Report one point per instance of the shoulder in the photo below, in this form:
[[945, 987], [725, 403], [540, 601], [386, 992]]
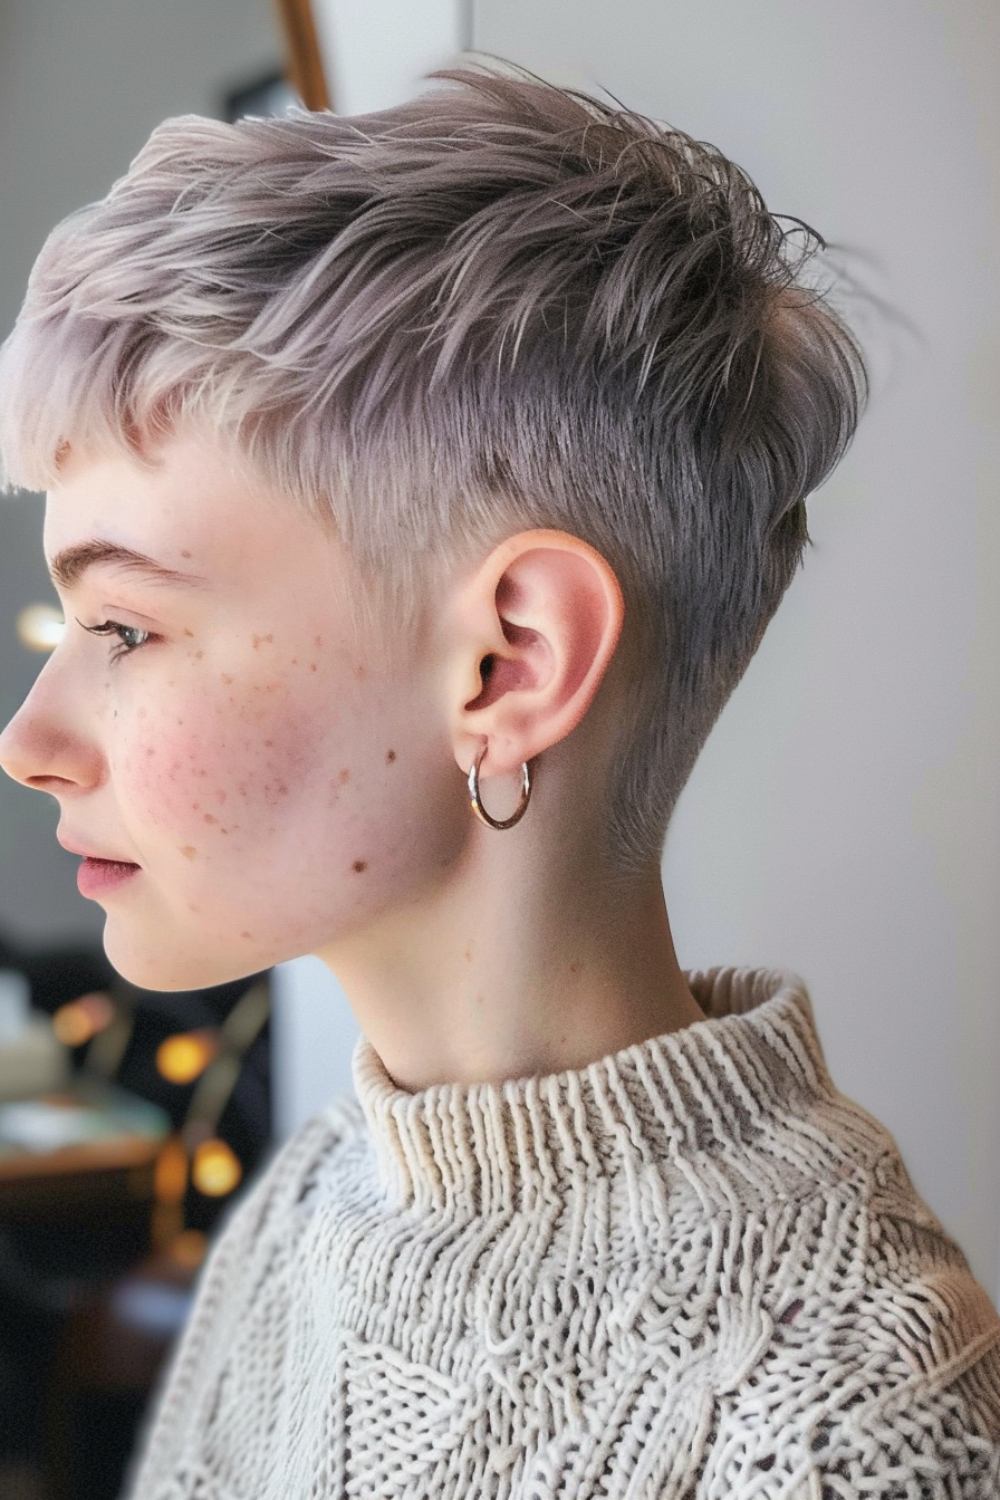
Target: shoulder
[[898, 1274], [881, 1374], [923, 1304], [901, 1349]]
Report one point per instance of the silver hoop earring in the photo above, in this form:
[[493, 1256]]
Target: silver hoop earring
[[476, 800]]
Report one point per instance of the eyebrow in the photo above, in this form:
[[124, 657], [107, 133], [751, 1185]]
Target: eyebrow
[[69, 565]]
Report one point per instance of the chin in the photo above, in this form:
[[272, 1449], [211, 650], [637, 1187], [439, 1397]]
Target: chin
[[154, 966]]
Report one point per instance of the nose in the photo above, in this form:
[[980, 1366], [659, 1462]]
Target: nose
[[45, 746]]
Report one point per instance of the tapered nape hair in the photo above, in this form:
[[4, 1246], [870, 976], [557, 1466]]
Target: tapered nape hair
[[502, 305]]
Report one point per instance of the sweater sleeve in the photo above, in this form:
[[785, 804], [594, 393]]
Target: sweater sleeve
[[244, 1264]]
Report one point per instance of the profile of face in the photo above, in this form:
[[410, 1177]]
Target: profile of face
[[213, 725]]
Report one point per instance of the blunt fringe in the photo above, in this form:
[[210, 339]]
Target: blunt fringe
[[501, 305]]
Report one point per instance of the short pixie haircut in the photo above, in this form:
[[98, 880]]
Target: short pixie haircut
[[499, 306]]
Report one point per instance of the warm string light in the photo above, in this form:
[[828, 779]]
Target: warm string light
[[215, 1170], [76, 1023], [183, 1057]]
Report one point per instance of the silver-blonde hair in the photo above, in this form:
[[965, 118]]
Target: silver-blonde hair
[[502, 305]]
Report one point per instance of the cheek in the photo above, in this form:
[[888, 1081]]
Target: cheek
[[279, 826], [207, 778]]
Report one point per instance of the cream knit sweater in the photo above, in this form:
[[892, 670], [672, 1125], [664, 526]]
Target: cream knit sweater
[[690, 1271]]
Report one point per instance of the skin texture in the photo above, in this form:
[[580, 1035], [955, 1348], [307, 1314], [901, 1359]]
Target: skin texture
[[287, 788]]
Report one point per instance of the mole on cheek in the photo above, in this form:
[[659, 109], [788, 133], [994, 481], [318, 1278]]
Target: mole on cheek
[[390, 756], [359, 866]]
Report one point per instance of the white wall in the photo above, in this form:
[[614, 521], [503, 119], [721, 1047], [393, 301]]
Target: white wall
[[376, 52], [844, 819]]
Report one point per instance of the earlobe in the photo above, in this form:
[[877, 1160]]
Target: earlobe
[[538, 624]]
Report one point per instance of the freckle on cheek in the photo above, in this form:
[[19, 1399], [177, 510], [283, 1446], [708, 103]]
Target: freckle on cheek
[[198, 655], [345, 776], [189, 851], [209, 819]]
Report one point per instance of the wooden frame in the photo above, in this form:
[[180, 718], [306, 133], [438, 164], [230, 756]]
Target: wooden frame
[[305, 62]]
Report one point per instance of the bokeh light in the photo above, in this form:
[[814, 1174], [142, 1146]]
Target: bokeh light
[[76, 1023], [40, 627], [216, 1169], [183, 1057]]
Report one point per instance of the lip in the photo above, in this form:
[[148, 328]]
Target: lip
[[72, 847], [96, 877]]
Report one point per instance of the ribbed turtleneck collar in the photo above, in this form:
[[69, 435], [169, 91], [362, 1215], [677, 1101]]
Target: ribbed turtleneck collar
[[489, 1147]]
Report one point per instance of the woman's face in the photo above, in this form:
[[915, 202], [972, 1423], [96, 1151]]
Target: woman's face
[[213, 719]]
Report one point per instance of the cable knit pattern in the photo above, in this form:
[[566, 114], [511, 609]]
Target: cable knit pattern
[[690, 1271]]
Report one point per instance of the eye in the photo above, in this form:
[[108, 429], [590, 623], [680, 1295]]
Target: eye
[[130, 637]]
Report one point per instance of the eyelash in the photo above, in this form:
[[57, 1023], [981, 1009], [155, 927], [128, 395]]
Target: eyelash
[[114, 627]]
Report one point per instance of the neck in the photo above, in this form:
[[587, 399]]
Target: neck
[[528, 959]]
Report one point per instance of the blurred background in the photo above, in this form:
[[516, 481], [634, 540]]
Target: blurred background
[[844, 819]]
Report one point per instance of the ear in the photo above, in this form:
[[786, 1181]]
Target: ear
[[532, 634]]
